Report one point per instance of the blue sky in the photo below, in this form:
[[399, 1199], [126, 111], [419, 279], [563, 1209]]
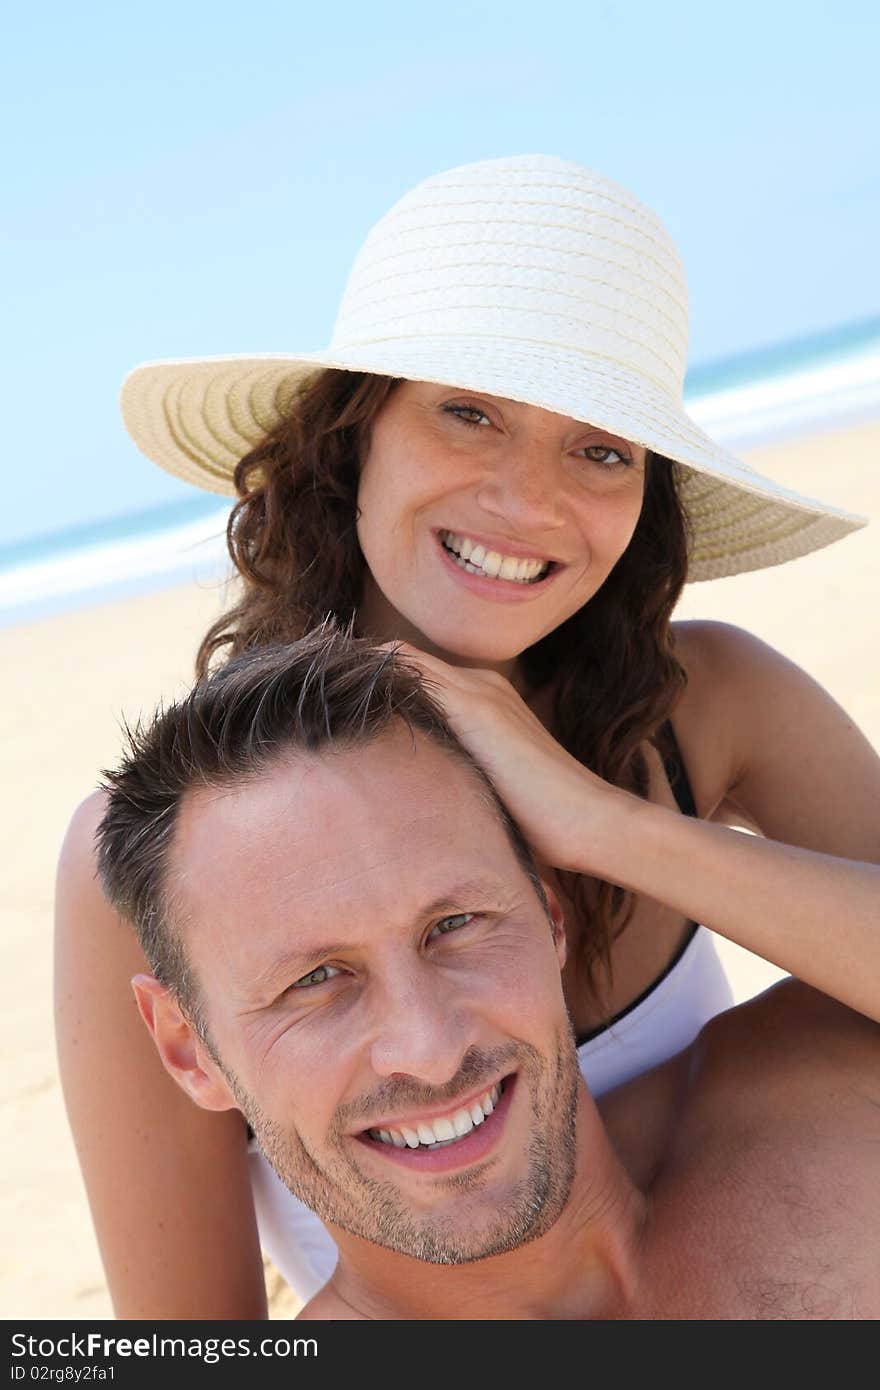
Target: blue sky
[[191, 179]]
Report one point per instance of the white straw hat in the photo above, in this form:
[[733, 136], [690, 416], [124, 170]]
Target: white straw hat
[[530, 278]]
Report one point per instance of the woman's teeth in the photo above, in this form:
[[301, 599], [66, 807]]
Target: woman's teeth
[[476, 559], [436, 1134]]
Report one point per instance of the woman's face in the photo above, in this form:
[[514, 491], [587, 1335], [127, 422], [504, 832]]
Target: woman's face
[[486, 523]]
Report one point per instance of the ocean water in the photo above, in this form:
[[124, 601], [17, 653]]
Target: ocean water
[[824, 381]]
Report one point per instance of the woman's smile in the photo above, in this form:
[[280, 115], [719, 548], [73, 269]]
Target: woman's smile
[[497, 558], [490, 573]]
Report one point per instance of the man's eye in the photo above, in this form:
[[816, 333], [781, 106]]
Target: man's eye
[[318, 976], [468, 414], [606, 456], [452, 923]]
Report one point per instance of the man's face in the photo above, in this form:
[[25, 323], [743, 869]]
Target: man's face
[[382, 985]]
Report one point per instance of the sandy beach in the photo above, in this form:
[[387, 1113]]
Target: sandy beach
[[67, 680]]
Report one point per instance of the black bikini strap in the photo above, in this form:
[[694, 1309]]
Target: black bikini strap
[[677, 772]]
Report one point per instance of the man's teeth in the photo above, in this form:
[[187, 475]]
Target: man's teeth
[[476, 559], [436, 1134]]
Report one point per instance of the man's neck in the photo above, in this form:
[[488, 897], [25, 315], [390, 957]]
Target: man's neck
[[585, 1266]]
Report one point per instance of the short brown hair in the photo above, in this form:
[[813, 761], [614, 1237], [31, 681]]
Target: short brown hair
[[328, 690]]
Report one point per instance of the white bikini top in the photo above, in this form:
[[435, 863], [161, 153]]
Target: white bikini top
[[656, 1027]]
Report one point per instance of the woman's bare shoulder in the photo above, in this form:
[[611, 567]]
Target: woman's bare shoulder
[[77, 860], [83, 916], [728, 663], [792, 759], [83, 823], [711, 651]]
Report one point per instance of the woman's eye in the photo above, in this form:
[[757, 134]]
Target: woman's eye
[[468, 414], [318, 976], [452, 923], [606, 456]]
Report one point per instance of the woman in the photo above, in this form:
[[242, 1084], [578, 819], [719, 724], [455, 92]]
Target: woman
[[492, 464]]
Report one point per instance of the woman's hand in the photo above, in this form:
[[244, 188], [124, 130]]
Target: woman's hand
[[812, 914], [558, 803]]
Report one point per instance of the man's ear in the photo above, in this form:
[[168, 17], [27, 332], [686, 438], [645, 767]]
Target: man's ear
[[557, 922], [183, 1053]]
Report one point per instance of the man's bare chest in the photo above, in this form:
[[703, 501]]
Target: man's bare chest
[[763, 1239]]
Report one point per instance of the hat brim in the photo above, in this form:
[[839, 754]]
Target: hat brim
[[198, 418]]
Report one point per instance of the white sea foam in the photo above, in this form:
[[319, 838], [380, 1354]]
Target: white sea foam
[[111, 569], [828, 394]]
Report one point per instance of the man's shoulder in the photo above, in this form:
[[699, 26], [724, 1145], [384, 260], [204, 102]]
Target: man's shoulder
[[770, 1065], [781, 1061], [790, 1035], [772, 1155]]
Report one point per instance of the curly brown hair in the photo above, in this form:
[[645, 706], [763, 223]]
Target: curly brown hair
[[292, 537]]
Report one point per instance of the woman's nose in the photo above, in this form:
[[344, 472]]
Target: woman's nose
[[421, 1028], [523, 489]]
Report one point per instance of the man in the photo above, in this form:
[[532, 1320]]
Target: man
[[351, 945]]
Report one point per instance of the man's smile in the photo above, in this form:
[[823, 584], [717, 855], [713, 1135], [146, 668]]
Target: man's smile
[[445, 1139]]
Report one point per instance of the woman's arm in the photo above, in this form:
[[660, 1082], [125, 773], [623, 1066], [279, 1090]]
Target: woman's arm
[[814, 915], [167, 1182], [760, 733]]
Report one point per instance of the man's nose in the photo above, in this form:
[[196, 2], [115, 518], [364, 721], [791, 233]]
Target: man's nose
[[523, 488], [422, 1026]]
